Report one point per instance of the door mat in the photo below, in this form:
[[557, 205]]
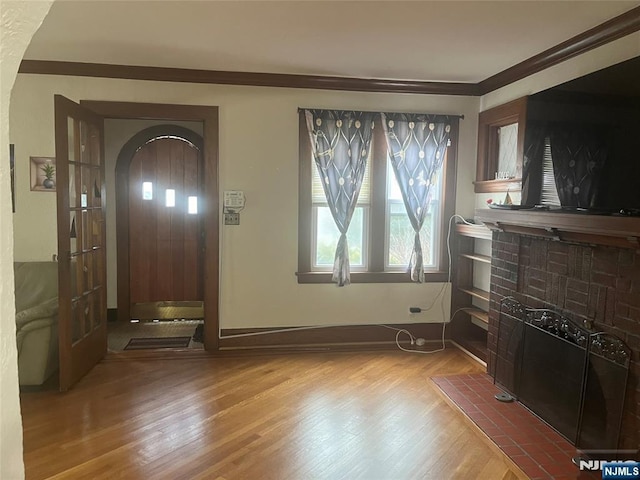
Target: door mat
[[158, 342]]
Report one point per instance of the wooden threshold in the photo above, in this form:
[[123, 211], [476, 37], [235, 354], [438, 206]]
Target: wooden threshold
[[168, 310]]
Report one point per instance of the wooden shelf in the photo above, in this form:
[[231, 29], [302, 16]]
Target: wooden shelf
[[475, 292], [469, 330], [612, 230], [474, 231], [498, 186], [476, 257], [477, 346], [479, 314]]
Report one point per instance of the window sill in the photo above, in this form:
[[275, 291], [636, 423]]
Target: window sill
[[370, 277]]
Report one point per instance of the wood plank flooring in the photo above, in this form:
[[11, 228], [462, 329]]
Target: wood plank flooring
[[307, 416]]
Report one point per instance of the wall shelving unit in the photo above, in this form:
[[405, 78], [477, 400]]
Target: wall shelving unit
[[471, 265]]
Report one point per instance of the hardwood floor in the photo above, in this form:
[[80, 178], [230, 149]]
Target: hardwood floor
[[308, 416]]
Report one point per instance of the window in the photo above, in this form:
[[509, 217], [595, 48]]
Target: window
[[325, 234], [380, 235], [399, 234], [500, 147]]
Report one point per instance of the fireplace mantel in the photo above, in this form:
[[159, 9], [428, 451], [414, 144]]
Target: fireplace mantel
[[611, 230]]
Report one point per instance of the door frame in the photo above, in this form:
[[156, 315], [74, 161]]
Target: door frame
[[123, 163], [209, 117]]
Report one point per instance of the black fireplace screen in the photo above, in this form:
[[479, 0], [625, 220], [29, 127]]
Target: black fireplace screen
[[509, 355], [570, 377], [604, 386]]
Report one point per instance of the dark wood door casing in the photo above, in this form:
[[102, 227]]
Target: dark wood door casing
[[210, 204]]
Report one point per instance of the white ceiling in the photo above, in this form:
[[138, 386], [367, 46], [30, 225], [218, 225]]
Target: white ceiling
[[416, 40]]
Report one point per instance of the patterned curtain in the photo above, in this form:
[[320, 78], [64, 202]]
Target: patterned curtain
[[579, 154], [532, 163], [340, 141], [417, 145]]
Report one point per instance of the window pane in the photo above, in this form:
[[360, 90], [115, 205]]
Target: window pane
[[401, 238], [327, 236], [393, 189], [317, 190], [147, 191], [192, 205], [507, 151], [400, 233], [170, 198]]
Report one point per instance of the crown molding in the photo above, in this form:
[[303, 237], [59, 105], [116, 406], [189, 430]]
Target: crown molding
[[162, 74], [618, 27]]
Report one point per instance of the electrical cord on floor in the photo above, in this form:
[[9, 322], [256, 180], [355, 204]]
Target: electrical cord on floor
[[413, 341], [439, 294]]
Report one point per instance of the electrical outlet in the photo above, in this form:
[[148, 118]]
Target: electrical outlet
[[232, 219]]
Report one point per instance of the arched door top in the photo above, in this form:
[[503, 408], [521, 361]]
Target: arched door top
[[151, 133]]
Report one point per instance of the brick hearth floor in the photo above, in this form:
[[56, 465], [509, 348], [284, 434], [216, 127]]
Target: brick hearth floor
[[536, 448]]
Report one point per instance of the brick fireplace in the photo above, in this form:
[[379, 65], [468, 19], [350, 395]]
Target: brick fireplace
[[542, 262]]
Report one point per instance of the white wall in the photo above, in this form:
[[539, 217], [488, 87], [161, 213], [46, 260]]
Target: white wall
[[117, 132], [258, 154], [19, 21]]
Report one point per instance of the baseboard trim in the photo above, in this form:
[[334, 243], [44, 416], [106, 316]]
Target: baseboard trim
[[332, 338], [253, 351], [480, 361]]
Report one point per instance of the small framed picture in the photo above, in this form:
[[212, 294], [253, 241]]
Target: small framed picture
[[43, 174]]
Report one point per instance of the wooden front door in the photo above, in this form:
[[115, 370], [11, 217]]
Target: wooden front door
[[82, 277], [165, 230]]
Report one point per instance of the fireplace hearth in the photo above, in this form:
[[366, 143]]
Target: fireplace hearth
[[571, 377]]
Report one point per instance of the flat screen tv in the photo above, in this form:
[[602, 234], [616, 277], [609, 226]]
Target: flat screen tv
[[588, 129]]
